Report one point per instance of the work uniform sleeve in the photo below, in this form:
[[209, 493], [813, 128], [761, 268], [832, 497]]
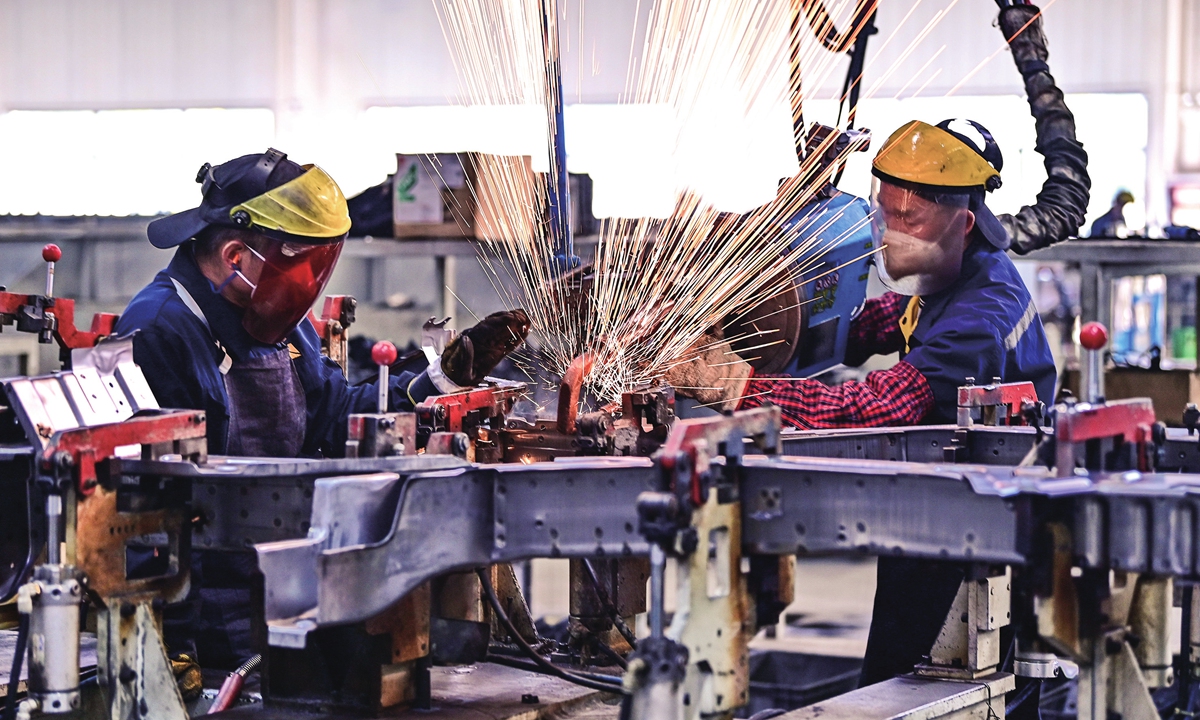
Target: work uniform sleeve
[[897, 396], [876, 330], [974, 348], [330, 404], [164, 362]]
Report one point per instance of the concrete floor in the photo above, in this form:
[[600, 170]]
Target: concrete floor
[[830, 615]]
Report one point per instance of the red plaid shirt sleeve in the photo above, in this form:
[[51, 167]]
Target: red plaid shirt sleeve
[[876, 330], [897, 396]]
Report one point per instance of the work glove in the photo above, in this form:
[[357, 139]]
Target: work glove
[[476, 351], [715, 376], [187, 676]]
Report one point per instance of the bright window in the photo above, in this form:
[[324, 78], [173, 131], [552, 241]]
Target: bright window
[[118, 162]]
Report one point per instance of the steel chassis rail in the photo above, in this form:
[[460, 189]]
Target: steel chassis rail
[[473, 516]]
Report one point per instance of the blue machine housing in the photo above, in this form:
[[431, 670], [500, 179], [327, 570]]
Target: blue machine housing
[[833, 291]]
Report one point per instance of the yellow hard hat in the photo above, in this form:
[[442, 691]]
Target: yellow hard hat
[[310, 206], [263, 192], [941, 157]]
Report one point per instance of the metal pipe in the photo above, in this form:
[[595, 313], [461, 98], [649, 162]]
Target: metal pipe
[[53, 528], [383, 387], [658, 569], [1095, 377], [559, 186]]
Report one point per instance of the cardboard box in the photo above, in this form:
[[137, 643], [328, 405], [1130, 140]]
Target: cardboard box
[[431, 195], [475, 196]]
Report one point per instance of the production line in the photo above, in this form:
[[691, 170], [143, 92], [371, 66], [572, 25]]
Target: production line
[[1079, 557], [204, 454]]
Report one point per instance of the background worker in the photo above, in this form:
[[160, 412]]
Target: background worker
[[1112, 223], [223, 329]]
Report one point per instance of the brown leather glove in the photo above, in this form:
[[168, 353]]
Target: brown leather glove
[[187, 676], [478, 350], [716, 375]]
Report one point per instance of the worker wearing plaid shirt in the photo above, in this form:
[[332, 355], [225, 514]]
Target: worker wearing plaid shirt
[[956, 309], [983, 326]]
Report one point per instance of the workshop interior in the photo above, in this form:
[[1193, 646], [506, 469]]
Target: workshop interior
[[622, 360]]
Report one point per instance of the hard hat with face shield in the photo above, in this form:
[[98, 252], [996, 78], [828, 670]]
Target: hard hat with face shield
[[927, 202], [298, 209]]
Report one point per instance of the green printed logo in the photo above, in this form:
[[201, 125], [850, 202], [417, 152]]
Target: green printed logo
[[405, 185]]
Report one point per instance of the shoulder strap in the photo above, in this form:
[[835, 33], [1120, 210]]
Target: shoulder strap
[[190, 302]]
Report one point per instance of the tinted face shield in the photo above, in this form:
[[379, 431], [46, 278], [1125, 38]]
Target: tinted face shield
[[293, 276], [919, 239]]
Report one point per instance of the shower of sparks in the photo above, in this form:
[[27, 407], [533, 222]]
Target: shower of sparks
[[658, 286]]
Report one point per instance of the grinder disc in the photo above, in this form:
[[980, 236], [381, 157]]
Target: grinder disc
[[778, 320]]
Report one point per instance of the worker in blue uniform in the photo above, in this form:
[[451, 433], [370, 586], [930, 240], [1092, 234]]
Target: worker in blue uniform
[[223, 329], [956, 308]]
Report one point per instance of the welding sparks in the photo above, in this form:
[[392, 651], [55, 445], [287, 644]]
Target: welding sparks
[[656, 287]]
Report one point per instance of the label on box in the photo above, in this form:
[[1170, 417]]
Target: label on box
[[416, 195]]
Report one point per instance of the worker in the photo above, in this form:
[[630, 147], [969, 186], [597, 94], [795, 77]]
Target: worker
[[1112, 223], [222, 329], [956, 308]]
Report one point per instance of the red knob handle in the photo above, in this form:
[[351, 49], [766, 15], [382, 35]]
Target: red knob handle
[[51, 253], [1093, 336], [383, 353]]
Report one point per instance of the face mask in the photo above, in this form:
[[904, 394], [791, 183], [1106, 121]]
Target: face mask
[[925, 260], [913, 284]]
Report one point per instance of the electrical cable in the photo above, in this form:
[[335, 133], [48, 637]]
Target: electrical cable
[[612, 654], [609, 606], [540, 661], [14, 680], [513, 652], [1021, 697], [1006, 666], [530, 667]]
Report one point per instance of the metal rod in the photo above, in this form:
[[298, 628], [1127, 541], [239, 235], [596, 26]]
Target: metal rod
[[383, 389], [1095, 389], [53, 528], [559, 187], [658, 569]]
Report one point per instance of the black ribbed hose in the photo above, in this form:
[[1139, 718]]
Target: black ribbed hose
[[1059, 210], [541, 662]]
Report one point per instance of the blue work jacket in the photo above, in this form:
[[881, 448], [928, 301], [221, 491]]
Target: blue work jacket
[[181, 361], [983, 326]]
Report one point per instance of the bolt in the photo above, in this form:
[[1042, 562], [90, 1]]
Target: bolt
[[530, 699]]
